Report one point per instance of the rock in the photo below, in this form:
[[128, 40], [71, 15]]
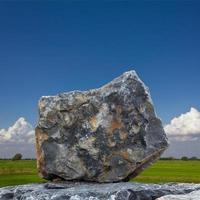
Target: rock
[[95, 191], [109, 134], [190, 196]]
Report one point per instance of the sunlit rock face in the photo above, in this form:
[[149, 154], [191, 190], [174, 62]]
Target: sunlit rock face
[[108, 134]]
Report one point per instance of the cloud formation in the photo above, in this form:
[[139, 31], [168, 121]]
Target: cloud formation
[[17, 138], [184, 127], [19, 133]]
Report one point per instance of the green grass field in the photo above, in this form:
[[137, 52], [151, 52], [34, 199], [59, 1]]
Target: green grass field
[[18, 172], [24, 171]]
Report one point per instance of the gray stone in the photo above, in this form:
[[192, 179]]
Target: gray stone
[[109, 134], [195, 195], [95, 191]]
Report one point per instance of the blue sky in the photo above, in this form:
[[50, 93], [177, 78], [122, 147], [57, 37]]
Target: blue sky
[[52, 47]]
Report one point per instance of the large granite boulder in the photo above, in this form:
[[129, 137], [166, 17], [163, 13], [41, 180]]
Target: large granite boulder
[[106, 191], [108, 134]]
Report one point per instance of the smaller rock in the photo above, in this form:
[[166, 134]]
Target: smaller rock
[[190, 196]]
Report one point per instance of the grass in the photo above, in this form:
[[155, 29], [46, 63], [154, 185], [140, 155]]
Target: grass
[[24, 171], [171, 171], [18, 172]]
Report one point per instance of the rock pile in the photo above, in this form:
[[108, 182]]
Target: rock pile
[[109, 134], [106, 191]]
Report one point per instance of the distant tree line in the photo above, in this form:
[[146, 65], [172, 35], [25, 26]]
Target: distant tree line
[[17, 156], [21, 159], [184, 158]]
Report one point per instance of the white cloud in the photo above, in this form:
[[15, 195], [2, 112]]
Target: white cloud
[[21, 132], [184, 127], [18, 138]]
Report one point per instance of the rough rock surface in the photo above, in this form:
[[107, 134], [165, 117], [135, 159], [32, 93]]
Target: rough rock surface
[[108, 134], [88, 191], [195, 195]]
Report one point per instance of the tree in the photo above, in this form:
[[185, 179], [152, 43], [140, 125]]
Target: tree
[[17, 156], [185, 158], [167, 158], [194, 158]]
